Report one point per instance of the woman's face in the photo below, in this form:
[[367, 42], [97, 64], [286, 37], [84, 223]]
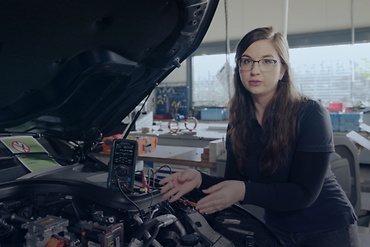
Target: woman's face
[[261, 79]]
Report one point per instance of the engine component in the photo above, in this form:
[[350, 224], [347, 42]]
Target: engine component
[[104, 236], [41, 230], [205, 230]]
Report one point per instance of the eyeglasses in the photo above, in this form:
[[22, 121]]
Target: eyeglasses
[[265, 64]]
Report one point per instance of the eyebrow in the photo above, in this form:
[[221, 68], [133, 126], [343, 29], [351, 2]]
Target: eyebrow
[[264, 56]]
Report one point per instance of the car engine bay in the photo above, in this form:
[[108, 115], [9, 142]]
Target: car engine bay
[[73, 207]]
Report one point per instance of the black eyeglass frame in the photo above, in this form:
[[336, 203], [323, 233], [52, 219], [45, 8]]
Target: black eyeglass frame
[[274, 61]]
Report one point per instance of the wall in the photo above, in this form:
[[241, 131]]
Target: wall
[[303, 16]]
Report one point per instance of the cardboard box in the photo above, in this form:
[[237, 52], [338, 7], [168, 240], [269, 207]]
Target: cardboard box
[[108, 141], [145, 143]]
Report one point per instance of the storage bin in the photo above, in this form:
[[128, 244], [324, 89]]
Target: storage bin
[[349, 121], [334, 116], [216, 114]]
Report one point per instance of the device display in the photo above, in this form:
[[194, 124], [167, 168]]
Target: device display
[[121, 173]]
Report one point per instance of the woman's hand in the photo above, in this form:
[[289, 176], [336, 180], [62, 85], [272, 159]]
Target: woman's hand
[[178, 184], [221, 196]]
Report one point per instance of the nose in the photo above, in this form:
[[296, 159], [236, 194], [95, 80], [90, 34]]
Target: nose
[[255, 67]]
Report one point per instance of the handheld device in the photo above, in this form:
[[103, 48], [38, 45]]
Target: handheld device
[[121, 173]]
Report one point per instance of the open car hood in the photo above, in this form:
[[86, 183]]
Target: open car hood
[[76, 69], [70, 72]]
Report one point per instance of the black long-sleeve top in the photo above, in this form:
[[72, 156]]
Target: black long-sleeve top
[[303, 195]]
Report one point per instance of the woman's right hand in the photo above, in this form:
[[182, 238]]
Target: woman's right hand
[[180, 183]]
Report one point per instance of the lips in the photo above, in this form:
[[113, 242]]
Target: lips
[[254, 83]]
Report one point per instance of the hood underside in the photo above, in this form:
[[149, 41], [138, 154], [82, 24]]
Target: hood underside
[[75, 69]]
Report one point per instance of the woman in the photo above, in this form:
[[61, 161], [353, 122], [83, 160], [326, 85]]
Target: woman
[[278, 146]]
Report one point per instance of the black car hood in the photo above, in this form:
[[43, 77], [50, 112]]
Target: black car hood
[[75, 69]]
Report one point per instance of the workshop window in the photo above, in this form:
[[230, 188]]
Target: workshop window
[[333, 73], [326, 73], [208, 89]]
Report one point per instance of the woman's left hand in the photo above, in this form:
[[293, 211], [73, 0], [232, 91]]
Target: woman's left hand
[[221, 196]]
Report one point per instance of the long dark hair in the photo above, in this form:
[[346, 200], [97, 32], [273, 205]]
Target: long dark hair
[[280, 116]]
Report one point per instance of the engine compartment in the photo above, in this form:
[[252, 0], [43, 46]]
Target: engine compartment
[[72, 205], [60, 219], [49, 212]]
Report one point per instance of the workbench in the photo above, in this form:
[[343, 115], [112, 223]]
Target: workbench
[[173, 156], [181, 150], [204, 133]]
